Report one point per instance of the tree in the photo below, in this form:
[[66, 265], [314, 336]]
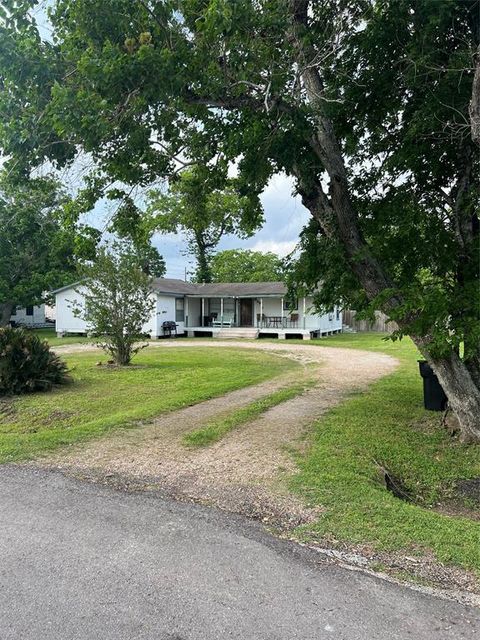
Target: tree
[[150, 260], [118, 300], [237, 265], [205, 208], [365, 104], [37, 253]]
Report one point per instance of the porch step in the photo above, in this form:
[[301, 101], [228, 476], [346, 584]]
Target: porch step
[[238, 332]]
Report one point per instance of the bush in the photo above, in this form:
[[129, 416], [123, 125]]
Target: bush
[[27, 364]]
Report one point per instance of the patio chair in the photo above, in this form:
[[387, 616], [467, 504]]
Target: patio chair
[[227, 321]]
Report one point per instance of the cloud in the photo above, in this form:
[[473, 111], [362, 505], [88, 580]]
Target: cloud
[[281, 248]]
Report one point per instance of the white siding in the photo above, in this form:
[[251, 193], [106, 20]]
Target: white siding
[[38, 318], [66, 322], [166, 311]]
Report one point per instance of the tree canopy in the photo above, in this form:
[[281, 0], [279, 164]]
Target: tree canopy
[[244, 265], [204, 206], [365, 104], [37, 252]]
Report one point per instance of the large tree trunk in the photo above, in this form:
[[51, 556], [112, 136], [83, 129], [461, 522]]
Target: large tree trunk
[[475, 101], [337, 216], [204, 273], [6, 309], [460, 388]]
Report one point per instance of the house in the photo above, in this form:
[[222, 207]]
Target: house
[[242, 309], [32, 316]]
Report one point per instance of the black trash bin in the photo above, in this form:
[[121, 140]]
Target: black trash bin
[[434, 398]]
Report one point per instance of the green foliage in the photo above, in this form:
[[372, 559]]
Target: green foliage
[[27, 364], [118, 300], [405, 82], [244, 265], [37, 252], [205, 205], [145, 87]]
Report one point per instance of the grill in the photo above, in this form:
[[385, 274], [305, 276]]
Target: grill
[[169, 328]]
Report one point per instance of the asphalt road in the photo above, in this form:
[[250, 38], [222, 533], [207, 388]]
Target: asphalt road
[[80, 561]]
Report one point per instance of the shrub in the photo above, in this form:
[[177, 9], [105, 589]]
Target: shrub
[[27, 364]]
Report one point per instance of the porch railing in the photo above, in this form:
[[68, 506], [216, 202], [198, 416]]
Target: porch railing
[[278, 322]]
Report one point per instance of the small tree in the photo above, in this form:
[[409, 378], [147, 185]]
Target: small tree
[[118, 301], [244, 265]]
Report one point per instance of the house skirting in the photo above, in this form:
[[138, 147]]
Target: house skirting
[[247, 332]]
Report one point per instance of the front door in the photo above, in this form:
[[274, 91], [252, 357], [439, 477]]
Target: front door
[[246, 312]]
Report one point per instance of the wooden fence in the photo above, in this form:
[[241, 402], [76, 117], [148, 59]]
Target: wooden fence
[[381, 323]]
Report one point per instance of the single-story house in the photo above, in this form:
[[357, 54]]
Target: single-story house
[[32, 316], [242, 309]]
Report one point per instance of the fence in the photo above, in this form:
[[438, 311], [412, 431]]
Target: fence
[[380, 324]]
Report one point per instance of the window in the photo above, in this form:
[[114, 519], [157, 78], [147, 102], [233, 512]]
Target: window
[[290, 304], [179, 309], [338, 313], [29, 311]]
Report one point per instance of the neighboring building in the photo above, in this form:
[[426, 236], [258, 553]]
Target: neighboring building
[[243, 309], [31, 316]]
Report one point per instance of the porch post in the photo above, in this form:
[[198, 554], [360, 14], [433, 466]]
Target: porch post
[[304, 310], [186, 312], [261, 312], [282, 310], [203, 311], [221, 311]]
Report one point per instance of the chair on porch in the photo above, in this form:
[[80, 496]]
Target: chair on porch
[[294, 320], [226, 321]]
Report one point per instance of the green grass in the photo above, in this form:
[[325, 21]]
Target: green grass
[[388, 425], [103, 398], [217, 429], [51, 336]]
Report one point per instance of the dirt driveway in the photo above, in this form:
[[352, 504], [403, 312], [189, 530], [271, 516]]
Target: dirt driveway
[[244, 472]]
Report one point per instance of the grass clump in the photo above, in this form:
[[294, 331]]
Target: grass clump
[[217, 429]]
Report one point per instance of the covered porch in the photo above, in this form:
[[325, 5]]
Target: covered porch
[[269, 313]]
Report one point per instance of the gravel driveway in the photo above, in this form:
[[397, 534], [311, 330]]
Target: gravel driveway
[[245, 471]]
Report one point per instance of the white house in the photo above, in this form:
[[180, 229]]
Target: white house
[[242, 309], [31, 316]]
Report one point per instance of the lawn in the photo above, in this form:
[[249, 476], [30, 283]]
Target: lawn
[[387, 427], [103, 398], [51, 336]]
